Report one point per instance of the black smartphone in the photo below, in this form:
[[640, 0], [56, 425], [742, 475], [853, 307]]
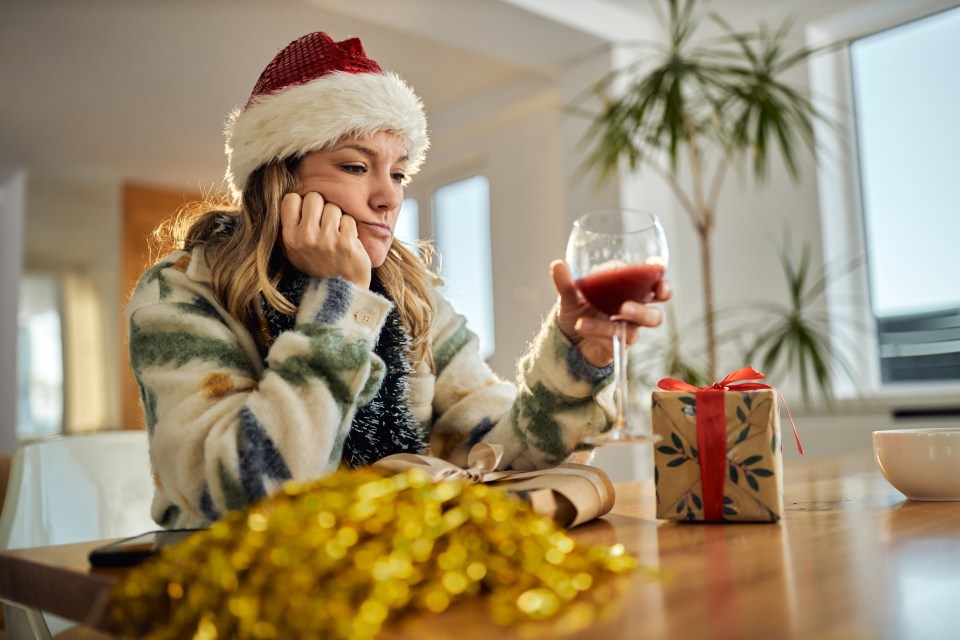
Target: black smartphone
[[130, 551]]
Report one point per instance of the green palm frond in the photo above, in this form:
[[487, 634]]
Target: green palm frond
[[726, 92], [795, 336], [763, 109]]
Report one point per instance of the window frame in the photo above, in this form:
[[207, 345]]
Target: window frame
[[842, 216], [423, 189]]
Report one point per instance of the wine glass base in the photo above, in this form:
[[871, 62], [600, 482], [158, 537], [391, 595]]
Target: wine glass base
[[621, 437]]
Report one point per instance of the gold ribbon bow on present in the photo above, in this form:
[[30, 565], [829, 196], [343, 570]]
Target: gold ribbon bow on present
[[482, 463], [570, 494]]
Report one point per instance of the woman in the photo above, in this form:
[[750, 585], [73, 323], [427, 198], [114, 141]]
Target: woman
[[292, 334]]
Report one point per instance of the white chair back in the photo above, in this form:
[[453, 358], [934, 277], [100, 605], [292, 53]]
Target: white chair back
[[77, 488]]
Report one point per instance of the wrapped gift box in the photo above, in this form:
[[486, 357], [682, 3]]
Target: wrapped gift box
[[741, 461]]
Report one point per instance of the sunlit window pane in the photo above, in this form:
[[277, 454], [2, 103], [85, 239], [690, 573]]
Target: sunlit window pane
[[461, 224], [39, 359], [906, 100], [408, 223]]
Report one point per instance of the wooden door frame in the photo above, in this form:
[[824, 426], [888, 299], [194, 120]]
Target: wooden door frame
[[144, 208]]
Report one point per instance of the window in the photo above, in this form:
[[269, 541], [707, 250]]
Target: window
[[39, 359], [906, 97], [461, 228], [408, 223]]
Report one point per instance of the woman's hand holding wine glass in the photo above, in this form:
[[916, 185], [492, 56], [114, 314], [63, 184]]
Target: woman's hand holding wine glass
[[617, 260], [593, 330]]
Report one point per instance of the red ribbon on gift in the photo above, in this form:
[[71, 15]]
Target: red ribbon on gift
[[712, 430]]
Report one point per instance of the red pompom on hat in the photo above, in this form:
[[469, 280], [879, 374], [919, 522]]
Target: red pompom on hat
[[314, 93]]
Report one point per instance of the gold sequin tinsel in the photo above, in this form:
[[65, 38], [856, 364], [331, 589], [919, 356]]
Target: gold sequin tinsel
[[337, 557]]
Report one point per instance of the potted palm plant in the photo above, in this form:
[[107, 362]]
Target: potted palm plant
[[796, 335], [696, 108]]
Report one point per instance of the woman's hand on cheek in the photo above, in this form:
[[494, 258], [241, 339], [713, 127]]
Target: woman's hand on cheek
[[590, 329], [321, 241]]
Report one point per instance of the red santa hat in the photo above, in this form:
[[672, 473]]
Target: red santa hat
[[314, 93]]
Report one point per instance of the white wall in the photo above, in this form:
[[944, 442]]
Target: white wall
[[515, 142]]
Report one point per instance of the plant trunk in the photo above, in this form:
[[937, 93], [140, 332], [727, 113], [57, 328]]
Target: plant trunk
[[706, 274]]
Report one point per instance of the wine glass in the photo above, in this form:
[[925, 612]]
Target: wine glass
[[616, 256]]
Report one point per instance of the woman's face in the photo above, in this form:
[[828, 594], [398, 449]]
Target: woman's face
[[364, 177]]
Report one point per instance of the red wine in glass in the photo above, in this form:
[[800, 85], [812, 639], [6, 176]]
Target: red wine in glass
[[608, 290]]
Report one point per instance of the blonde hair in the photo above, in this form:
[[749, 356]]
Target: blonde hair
[[250, 260]]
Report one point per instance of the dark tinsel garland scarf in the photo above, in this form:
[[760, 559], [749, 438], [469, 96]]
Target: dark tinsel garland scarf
[[384, 425]]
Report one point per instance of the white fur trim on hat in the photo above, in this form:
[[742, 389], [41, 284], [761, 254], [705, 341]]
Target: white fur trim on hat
[[317, 114]]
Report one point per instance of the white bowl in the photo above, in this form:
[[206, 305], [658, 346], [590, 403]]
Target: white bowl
[[923, 464]]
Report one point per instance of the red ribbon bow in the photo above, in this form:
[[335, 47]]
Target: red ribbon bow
[[712, 430]]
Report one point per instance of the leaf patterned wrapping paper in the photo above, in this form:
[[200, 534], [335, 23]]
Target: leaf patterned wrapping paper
[[753, 480]]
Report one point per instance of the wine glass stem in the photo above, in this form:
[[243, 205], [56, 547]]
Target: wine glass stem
[[620, 374]]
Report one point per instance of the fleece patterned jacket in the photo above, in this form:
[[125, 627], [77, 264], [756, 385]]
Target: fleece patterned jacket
[[228, 426]]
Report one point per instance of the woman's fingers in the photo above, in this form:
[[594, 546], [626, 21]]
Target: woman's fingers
[[664, 291], [290, 210], [316, 223], [633, 314], [593, 327], [563, 281], [640, 314], [348, 226], [321, 240]]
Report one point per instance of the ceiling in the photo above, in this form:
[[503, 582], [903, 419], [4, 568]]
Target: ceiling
[[139, 91], [114, 89]]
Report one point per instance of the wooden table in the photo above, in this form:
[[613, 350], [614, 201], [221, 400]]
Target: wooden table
[[852, 559]]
